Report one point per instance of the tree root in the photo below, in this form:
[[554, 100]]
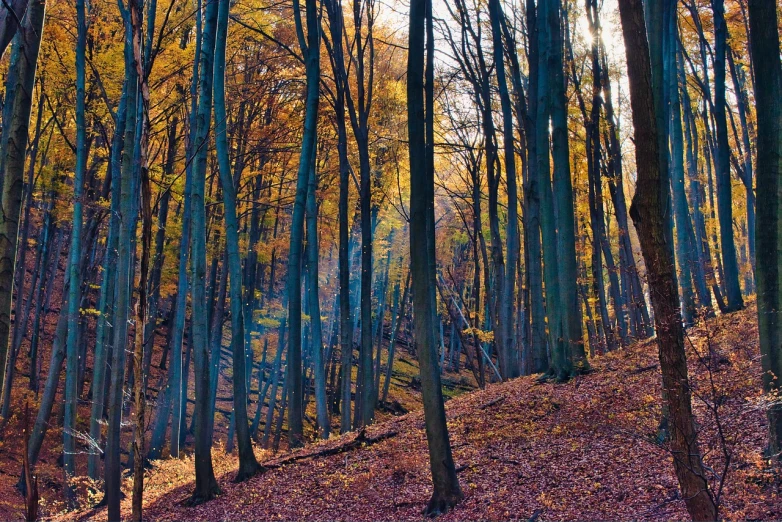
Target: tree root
[[199, 497], [441, 503], [248, 471]]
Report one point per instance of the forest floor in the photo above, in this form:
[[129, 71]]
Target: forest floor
[[585, 449]]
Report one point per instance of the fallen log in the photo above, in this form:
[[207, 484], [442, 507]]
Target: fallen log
[[360, 439]]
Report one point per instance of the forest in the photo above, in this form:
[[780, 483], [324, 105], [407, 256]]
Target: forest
[[390, 259]]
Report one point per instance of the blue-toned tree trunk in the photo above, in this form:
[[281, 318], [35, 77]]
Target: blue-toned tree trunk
[[72, 348], [248, 465]]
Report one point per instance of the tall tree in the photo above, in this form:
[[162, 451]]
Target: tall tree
[[310, 47], [248, 465], [532, 204], [144, 198], [23, 65], [447, 492], [206, 485], [507, 349], [573, 360], [72, 347], [764, 45], [722, 163], [648, 211], [359, 110], [336, 23], [124, 263], [178, 383]]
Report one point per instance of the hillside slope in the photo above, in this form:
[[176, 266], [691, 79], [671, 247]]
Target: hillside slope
[[580, 450]]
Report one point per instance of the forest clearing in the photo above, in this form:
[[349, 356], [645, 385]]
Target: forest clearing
[[390, 260]]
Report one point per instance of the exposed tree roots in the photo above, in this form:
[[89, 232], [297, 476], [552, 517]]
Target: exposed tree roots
[[200, 497], [441, 503]]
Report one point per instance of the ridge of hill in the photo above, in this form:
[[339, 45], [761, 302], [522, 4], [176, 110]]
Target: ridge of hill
[[579, 450]]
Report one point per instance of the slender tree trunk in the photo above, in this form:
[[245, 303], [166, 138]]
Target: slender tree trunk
[[446, 492], [24, 61], [684, 249], [72, 347], [380, 322], [742, 104], [548, 223], [334, 11], [103, 334], [722, 164], [124, 269], [50, 388], [311, 50], [206, 485], [144, 194], [574, 360], [22, 313], [532, 200], [248, 465], [313, 252], [23, 64], [508, 349], [648, 211]]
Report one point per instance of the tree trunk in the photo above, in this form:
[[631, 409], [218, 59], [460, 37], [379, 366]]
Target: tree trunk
[[74, 291], [574, 359], [177, 383], [648, 211], [144, 195], [313, 252], [764, 40], [446, 492], [124, 268], [206, 484], [23, 66], [311, 51], [334, 10], [104, 330], [684, 249], [722, 164], [508, 349], [248, 465]]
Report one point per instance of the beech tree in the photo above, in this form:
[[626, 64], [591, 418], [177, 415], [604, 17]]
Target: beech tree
[[764, 41], [420, 75], [648, 212]]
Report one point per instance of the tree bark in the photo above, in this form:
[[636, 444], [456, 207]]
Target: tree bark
[[74, 291], [206, 485], [446, 492], [764, 40], [722, 164], [311, 50], [648, 211], [23, 66], [248, 465]]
